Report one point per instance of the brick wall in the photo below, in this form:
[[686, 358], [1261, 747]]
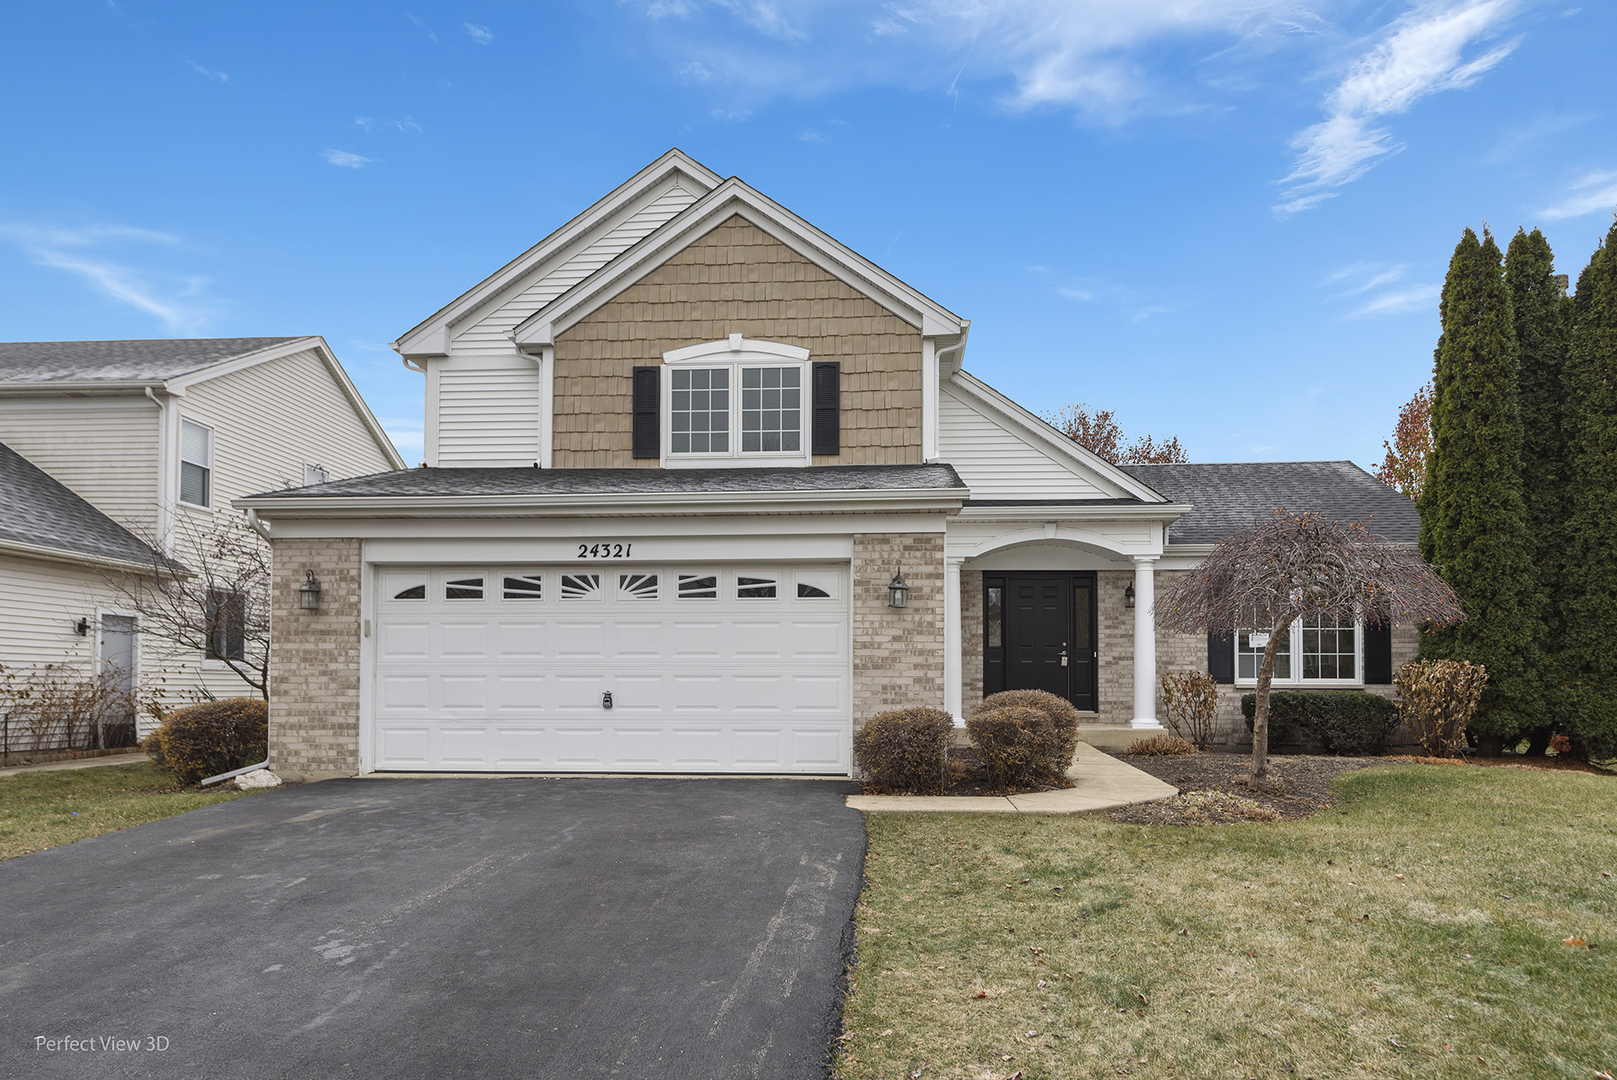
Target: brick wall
[[314, 661], [971, 639], [739, 280], [897, 653]]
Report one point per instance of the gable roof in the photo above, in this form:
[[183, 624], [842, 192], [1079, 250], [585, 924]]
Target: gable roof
[[430, 336], [735, 198], [149, 361], [1230, 497], [41, 517]]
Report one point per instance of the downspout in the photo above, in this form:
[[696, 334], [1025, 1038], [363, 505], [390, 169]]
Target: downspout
[[965, 332], [258, 526], [165, 496]]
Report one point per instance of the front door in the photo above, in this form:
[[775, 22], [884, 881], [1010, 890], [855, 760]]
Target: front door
[[1039, 634]]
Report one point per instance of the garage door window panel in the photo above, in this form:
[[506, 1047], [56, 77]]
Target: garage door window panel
[[757, 585], [463, 587], [523, 587], [581, 586], [406, 586], [698, 587], [638, 586]]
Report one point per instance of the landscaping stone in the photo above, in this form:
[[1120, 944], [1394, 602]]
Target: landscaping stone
[[259, 778]]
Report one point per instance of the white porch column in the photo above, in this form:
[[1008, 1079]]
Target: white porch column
[[1145, 644], [952, 667]]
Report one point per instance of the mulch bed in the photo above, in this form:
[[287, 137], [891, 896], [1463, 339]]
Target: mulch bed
[[1217, 789]]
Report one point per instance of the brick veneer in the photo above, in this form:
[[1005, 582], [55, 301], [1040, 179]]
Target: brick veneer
[[897, 654], [739, 280], [314, 661]]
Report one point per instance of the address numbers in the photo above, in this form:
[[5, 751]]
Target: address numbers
[[604, 551]]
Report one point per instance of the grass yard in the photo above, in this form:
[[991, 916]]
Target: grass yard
[[47, 809], [1415, 929]]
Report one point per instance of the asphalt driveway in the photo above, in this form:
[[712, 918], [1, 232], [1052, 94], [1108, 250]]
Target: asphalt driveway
[[570, 928]]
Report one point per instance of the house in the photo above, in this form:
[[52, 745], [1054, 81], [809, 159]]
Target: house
[[155, 438], [704, 490]]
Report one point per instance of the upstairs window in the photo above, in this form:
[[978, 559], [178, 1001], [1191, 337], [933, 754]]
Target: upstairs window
[[196, 464], [735, 400], [700, 411]]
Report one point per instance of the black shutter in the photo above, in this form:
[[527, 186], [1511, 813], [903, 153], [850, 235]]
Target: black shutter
[[827, 420], [1378, 655], [647, 406], [1221, 657]]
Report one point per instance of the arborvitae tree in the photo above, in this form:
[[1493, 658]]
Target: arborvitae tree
[[1540, 308], [1589, 588], [1473, 521]]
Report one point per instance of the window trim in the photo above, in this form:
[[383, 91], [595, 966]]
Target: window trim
[[736, 353], [180, 463], [1296, 681]]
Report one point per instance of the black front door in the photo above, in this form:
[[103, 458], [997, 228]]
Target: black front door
[[1039, 634]]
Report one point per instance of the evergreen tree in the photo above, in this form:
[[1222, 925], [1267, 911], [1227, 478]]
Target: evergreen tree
[[1589, 590], [1541, 317], [1473, 520]]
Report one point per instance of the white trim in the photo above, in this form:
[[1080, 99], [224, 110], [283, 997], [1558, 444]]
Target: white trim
[[1296, 681], [547, 406], [737, 349], [929, 400], [1145, 645], [735, 355], [734, 198], [1082, 461], [73, 558]]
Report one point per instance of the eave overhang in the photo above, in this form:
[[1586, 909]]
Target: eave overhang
[[1077, 511]]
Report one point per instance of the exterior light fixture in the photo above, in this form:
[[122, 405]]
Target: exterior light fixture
[[82, 627], [898, 591], [309, 593], [1128, 597]]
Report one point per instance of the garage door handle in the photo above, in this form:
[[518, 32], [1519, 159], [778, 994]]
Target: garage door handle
[[606, 700]]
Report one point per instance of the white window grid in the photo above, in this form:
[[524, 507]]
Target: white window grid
[[1310, 655]]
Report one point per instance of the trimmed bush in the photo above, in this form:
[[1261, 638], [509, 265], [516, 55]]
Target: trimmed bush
[[1439, 698], [1349, 723], [1014, 744], [1161, 746], [1060, 711], [1282, 728], [210, 738], [904, 751]]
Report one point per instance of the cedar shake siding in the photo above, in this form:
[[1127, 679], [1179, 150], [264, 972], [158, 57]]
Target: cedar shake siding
[[739, 280]]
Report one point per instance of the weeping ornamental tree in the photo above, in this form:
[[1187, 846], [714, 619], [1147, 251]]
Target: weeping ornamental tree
[[1473, 519], [1589, 582], [1302, 566]]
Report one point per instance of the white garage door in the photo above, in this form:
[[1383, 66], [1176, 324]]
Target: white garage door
[[613, 669]]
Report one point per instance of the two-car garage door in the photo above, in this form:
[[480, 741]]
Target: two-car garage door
[[612, 668]]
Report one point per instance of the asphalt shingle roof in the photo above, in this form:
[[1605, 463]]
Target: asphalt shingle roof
[[150, 360], [483, 482], [1228, 498], [39, 511]]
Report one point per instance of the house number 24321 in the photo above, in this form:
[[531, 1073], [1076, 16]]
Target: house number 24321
[[604, 551]]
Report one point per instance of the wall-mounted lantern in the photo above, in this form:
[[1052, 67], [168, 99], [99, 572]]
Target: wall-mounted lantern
[[82, 627], [1128, 597], [309, 593], [898, 591]]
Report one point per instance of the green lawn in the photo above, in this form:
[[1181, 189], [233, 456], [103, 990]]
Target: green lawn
[[47, 809], [1415, 929]]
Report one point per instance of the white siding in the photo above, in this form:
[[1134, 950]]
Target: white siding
[[488, 416], [487, 330], [102, 448], [998, 463]]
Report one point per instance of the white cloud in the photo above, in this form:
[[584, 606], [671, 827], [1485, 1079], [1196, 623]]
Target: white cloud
[[1073, 293], [732, 116], [406, 433], [169, 297], [344, 159], [1586, 195], [200, 70], [678, 9], [766, 18], [479, 34], [812, 137], [1399, 301], [1423, 54], [1372, 275], [370, 123]]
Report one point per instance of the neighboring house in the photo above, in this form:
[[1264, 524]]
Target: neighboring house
[[704, 490], [160, 436], [58, 618]]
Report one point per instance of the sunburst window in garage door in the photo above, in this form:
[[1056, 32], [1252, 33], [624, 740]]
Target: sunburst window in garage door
[[756, 586], [523, 587], [581, 586], [637, 586]]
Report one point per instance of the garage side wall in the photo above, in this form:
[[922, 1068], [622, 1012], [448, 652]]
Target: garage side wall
[[314, 661], [897, 653]]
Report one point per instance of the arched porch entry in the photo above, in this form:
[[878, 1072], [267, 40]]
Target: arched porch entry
[[1046, 606]]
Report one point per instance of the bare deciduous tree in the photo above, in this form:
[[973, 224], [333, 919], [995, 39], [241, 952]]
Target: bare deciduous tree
[[217, 605], [1099, 432], [1295, 566]]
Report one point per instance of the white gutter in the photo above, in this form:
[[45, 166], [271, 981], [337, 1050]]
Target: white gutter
[[258, 527], [79, 558], [1167, 512]]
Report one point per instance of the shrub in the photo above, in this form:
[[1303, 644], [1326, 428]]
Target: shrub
[[1342, 722], [1438, 700], [210, 738], [905, 750], [1161, 746], [1191, 698], [1062, 715], [1282, 728], [1015, 745]]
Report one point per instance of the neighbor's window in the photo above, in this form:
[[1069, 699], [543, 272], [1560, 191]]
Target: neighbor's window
[[315, 474], [226, 614], [1312, 650], [196, 464]]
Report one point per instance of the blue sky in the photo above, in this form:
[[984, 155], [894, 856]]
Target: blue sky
[[1228, 220]]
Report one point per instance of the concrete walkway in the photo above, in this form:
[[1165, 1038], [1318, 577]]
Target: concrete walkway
[[75, 763], [1099, 783]]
